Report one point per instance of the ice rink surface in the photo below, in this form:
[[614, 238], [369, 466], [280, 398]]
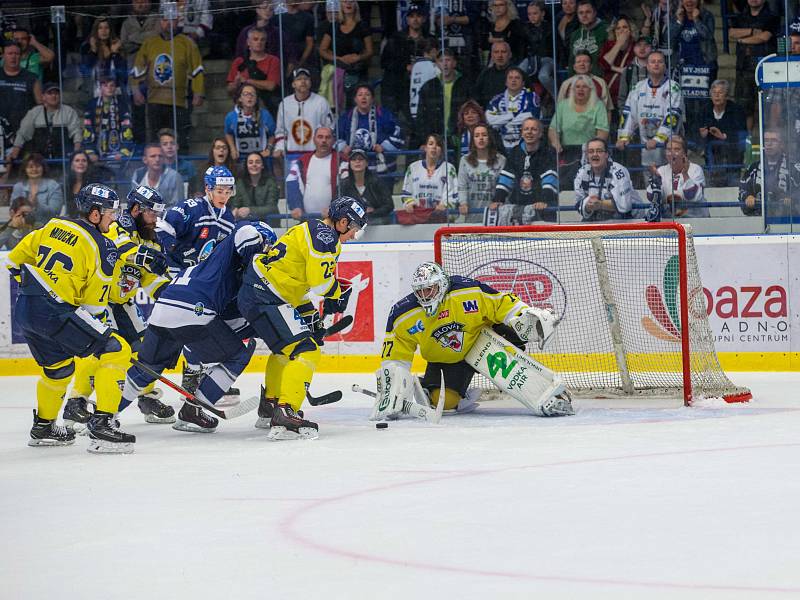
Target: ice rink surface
[[699, 502]]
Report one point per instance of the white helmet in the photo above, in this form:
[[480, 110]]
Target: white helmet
[[430, 283]]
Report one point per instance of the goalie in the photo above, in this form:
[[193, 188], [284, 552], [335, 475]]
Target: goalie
[[455, 322]]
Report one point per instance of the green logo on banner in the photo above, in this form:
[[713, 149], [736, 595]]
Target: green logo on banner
[[499, 362]]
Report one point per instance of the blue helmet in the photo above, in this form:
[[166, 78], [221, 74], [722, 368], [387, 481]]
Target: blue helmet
[[147, 197], [266, 232], [352, 208], [219, 176], [96, 195]]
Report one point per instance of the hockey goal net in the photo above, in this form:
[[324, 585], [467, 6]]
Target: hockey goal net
[[630, 303]]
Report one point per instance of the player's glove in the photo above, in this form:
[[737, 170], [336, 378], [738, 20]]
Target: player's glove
[[313, 320], [150, 259], [339, 305]]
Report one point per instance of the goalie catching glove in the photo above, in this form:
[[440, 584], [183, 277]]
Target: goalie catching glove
[[534, 325]]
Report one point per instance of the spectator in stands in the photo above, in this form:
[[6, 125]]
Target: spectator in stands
[[527, 187], [567, 20], [397, 58], [781, 179], [470, 114], [81, 172], [264, 14], [635, 72], [724, 128], [353, 46], [299, 116], [219, 155], [461, 20], [136, 28], [492, 80], [312, 181], [430, 187], [583, 66], [155, 74], [578, 119], [248, 127], [6, 143], [754, 32], [450, 85], [256, 193], [657, 19], [20, 223], [170, 148], [45, 195], [539, 63], [615, 56], [784, 103], [20, 90], [477, 174], [33, 55], [422, 71], [507, 111], [603, 188], [101, 55], [371, 128], [590, 36], [52, 129], [195, 20], [682, 183], [506, 27], [298, 35], [107, 132], [258, 69], [358, 181], [165, 180], [655, 109]]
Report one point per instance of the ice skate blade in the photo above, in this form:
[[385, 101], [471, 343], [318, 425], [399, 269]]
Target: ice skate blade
[[263, 423], [180, 425], [76, 427], [104, 447], [279, 432], [158, 420], [45, 443], [467, 409]]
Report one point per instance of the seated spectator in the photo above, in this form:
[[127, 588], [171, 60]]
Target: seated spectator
[[165, 180], [353, 46], [20, 223], [430, 187], [470, 114], [137, 27], [256, 196], [603, 188], [538, 62], [527, 187], [682, 183], [170, 148], [578, 119], [477, 174], [33, 55], [248, 127], [81, 172], [358, 181], [298, 35], [492, 80], [299, 116], [432, 108], [583, 66], [20, 90], [219, 155], [264, 13], [505, 26], [312, 181], [52, 129], [45, 195], [724, 128], [370, 127], [507, 111], [258, 69], [590, 36], [658, 15], [615, 55], [781, 180], [107, 131], [101, 54]]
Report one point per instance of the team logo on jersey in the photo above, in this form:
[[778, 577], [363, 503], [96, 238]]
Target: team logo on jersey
[[129, 279], [362, 139], [444, 314], [418, 327], [204, 233], [199, 308], [526, 182], [301, 132], [162, 68], [206, 250], [325, 235], [450, 336], [470, 306], [125, 220], [111, 258]]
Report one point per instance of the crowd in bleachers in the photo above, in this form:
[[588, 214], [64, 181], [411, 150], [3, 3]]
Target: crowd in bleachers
[[490, 123]]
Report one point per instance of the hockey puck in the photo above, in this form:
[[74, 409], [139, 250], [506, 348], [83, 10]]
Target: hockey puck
[[381, 425]]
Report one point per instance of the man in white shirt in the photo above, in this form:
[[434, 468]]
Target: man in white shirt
[[300, 115], [312, 180], [682, 182]]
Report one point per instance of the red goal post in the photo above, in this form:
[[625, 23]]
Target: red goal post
[[628, 297]]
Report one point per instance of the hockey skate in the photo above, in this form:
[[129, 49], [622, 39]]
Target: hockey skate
[[557, 406], [76, 414], [105, 436], [266, 408], [45, 432], [154, 410], [286, 424], [192, 418], [190, 379]]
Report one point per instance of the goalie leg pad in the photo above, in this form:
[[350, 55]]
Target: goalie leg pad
[[396, 385]]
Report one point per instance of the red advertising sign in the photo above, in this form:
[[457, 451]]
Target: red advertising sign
[[357, 274]]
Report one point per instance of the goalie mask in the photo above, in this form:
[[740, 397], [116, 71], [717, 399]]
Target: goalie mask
[[430, 283]]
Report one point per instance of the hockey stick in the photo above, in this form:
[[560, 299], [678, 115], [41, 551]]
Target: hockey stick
[[414, 409], [237, 410], [336, 395]]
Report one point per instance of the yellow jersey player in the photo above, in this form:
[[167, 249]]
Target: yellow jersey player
[[274, 299], [137, 225], [446, 317], [65, 274]]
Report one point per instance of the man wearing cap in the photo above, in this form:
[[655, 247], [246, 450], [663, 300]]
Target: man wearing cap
[[42, 127], [300, 115]]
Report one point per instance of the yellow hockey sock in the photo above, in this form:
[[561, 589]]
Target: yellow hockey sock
[[297, 374], [273, 375], [451, 398], [110, 376], [85, 369], [50, 392]]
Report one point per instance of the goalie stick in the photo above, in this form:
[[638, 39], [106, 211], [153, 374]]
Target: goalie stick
[[336, 395], [414, 409]]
